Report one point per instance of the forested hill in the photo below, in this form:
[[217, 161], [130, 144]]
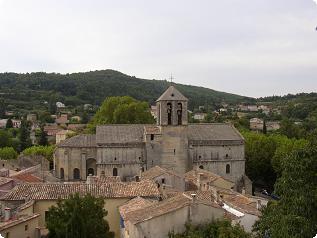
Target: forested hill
[[29, 91]]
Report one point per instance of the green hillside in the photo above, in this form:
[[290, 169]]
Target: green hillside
[[29, 91]]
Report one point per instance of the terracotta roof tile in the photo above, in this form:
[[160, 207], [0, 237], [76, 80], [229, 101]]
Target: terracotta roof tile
[[54, 191], [157, 171], [133, 205], [28, 177], [14, 222]]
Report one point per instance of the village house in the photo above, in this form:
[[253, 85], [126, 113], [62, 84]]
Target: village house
[[45, 195], [199, 116], [142, 218], [62, 135], [273, 125], [256, 124]]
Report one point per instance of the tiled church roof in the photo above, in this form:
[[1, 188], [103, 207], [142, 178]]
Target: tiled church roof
[[119, 134], [54, 191], [79, 141], [213, 131]]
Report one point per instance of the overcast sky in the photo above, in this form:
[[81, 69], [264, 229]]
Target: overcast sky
[[249, 47]]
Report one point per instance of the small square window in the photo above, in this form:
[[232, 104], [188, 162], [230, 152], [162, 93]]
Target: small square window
[[26, 227]]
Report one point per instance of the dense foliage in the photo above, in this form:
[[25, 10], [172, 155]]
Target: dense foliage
[[294, 215], [265, 155], [45, 151], [78, 217], [216, 229], [8, 153], [122, 110], [40, 91]]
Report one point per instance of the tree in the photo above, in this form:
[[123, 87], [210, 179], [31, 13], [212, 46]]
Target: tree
[[43, 137], [9, 123], [121, 110], [78, 217], [2, 108], [8, 153], [294, 215], [39, 150], [84, 118], [215, 229], [259, 150], [264, 127], [24, 136], [5, 138]]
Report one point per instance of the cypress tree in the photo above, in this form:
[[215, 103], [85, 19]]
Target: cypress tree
[[9, 123], [24, 137], [43, 137]]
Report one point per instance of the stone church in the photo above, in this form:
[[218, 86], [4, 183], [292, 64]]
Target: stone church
[[173, 143]]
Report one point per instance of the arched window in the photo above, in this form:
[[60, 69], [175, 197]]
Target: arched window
[[61, 171], [228, 169], [201, 167], [179, 113], [169, 113], [91, 171], [115, 172], [76, 173]]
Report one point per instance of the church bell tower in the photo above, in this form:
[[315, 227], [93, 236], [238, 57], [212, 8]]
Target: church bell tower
[[172, 108]]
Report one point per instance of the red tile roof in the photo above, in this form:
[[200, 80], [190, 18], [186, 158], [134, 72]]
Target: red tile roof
[[54, 191]]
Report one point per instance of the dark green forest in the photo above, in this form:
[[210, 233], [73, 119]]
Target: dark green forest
[[27, 92]]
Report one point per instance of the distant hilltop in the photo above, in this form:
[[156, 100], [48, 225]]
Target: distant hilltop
[[27, 91]]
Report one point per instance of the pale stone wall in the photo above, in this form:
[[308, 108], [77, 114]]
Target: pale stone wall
[[19, 230], [71, 158], [174, 149], [216, 158], [127, 160], [159, 227]]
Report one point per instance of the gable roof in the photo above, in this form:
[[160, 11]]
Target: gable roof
[[55, 191], [158, 171], [172, 94], [119, 134], [133, 205], [193, 174], [166, 206]]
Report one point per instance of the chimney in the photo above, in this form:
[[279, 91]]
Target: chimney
[[90, 179], [7, 214], [258, 204], [194, 197]]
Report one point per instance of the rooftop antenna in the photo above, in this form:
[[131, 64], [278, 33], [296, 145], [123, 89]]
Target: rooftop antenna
[[171, 78]]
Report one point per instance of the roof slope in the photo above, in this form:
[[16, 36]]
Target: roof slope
[[172, 94], [54, 191], [157, 171], [213, 131], [79, 141], [119, 134]]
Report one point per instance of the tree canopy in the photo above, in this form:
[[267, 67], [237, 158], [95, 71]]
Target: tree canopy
[[294, 215], [215, 229], [8, 153], [121, 110], [78, 217], [45, 151]]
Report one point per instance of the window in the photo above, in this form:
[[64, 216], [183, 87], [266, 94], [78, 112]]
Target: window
[[61, 171], [227, 155], [46, 215], [26, 227], [228, 169], [115, 172], [115, 158], [201, 167], [179, 113], [51, 165], [8, 235], [91, 171], [169, 113], [152, 136], [76, 173], [163, 180]]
